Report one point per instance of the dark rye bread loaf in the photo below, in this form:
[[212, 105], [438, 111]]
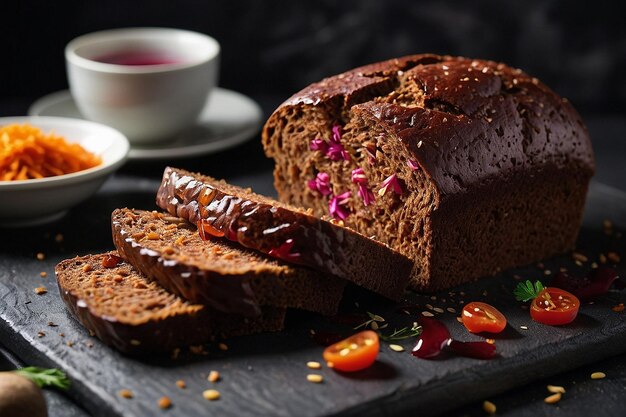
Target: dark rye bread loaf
[[466, 166], [134, 314], [282, 231], [216, 272]]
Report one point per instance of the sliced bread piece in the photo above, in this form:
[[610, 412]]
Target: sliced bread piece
[[134, 314], [283, 231], [217, 272]]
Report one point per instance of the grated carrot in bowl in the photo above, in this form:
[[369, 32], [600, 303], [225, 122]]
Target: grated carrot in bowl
[[27, 153]]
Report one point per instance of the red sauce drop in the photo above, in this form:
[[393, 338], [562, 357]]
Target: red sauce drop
[[111, 261], [434, 337], [594, 284]]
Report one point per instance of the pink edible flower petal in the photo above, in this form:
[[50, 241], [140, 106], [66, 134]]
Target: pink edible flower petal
[[336, 133], [321, 183], [318, 145], [391, 181], [337, 206], [358, 176], [366, 194], [284, 251], [336, 152], [412, 164]]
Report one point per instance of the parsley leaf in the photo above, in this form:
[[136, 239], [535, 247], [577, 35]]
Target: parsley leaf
[[45, 377], [526, 291]]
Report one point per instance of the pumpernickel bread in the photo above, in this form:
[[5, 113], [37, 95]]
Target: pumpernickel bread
[[465, 166], [217, 272], [134, 314], [283, 231]]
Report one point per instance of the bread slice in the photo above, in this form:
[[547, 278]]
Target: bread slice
[[134, 314], [217, 272], [286, 232], [466, 166]]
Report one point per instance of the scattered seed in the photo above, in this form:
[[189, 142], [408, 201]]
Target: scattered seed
[[598, 375], [438, 310], [41, 334], [594, 265], [181, 384], [126, 393], [396, 348], [223, 346], [58, 238], [602, 258], [578, 263], [211, 394], [314, 365], [490, 341], [579, 257], [69, 343], [429, 306], [40, 290], [43, 274], [451, 310], [61, 334], [314, 378], [164, 403], [459, 319], [523, 327], [41, 256], [556, 389], [427, 314], [547, 272], [135, 342], [618, 308], [553, 399], [214, 376], [489, 407], [613, 257], [52, 324]]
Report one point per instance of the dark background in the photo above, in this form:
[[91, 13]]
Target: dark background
[[274, 48]]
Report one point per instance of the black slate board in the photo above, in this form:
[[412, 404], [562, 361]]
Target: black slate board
[[266, 374]]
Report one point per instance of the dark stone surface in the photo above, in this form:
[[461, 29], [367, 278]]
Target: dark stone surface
[[266, 374]]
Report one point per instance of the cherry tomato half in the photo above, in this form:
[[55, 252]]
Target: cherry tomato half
[[554, 306], [357, 352], [482, 317]]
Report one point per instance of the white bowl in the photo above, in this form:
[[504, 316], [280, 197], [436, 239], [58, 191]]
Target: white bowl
[[29, 202]]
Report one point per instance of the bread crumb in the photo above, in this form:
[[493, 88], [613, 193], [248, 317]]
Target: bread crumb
[[553, 399], [313, 365], [223, 346], [43, 274], [41, 256], [126, 393], [40, 290], [181, 384], [598, 375], [41, 334], [489, 407], [164, 403], [214, 376], [59, 238], [315, 378]]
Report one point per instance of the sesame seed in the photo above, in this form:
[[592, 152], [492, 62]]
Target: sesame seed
[[181, 384], [313, 365], [579, 257], [547, 272], [429, 306], [396, 348], [427, 314], [214, 376], [211, 394], [43, 274], [598, 375], [316, 378], [135, 342], [164, 402], [555, 389], [489, 407], [523, 327], [438, 310], [451, 310], [126, 393], [41, 256], [40, 290], [553, 399], [613, 257]]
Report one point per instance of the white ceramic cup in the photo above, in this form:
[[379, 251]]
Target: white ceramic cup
[[148, 103]]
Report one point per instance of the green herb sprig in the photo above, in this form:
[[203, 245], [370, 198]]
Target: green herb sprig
[[526, 291], [403, 333], [375, 322], [45, 377]]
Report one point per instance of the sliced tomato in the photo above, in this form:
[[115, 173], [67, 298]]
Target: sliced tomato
[[554, 306], [357, 352], [481, 317]]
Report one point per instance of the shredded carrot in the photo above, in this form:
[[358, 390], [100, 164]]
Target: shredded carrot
[[27, 153]]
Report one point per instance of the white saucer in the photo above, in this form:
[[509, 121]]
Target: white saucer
[[228, 119]]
